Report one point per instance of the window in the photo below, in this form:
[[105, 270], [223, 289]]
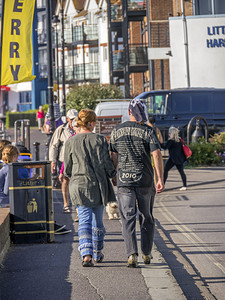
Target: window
[[25, 97], [156, 104], [105, 53], [219, 6], [43, 69], [209, 7], [43, 97]]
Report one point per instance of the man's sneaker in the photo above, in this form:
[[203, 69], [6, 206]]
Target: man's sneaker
[[58, 227], [63, 231], [146, 259], [183, 188], [132, 261]]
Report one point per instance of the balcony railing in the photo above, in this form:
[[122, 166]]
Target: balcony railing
[[43, 70], [137, 56], [85, 32], [78, 34], [160, 35], [67, 36], [77, 73], [116, 8], [136, 5], [118, 60], [42, 36], [41, 3]]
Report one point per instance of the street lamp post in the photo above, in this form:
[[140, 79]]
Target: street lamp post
[[50, 75], [63, 61], [55, 20]]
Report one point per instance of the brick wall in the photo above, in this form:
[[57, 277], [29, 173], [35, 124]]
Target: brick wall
[[160, 9]]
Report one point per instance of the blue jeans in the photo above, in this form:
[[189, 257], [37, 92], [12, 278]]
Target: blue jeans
[[91, 231], [128, 197]]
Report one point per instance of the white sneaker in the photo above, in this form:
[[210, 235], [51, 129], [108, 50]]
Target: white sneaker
[[183, 188]]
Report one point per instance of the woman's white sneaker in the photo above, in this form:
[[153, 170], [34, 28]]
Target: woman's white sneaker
[[183, 188]]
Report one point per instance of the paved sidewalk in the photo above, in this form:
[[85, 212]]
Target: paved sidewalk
[[54, 271]]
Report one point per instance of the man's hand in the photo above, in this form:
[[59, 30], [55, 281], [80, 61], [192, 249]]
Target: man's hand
[[53, 167], [114, 180], [159, 170]]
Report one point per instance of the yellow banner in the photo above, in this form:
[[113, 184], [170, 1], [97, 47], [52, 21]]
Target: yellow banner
[[17, 54]]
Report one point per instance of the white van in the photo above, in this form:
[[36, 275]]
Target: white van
[[113, 108]]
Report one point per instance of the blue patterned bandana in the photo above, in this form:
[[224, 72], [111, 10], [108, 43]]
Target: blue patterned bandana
[[138, 110]]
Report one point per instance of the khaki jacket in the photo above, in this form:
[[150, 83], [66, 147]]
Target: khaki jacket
[[57, 143], [89, 167]]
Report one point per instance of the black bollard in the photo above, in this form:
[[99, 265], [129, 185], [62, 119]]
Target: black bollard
[[36, 151], [46, 150]]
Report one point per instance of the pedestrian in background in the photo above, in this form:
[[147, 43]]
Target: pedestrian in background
[[56, 152], [88, 165], [9, 154], [3, 143], [176, 156], [57, 115], [61, 176], [40, 117], [131, 144]]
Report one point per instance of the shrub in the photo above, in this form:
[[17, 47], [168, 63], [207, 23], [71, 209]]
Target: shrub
[[204, 153], [85, 96]]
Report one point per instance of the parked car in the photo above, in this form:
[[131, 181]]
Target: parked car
[[177, 107]]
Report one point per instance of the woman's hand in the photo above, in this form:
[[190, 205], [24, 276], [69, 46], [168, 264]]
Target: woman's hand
[[159, 186], [61, 177]]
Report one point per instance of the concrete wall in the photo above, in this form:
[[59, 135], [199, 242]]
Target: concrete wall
[[4, 232]]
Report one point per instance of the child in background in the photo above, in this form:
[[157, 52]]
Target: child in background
[[9, 154], [40, 117], [3, 143]]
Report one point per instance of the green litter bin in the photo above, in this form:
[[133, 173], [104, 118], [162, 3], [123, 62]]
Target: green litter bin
[[31, 202]]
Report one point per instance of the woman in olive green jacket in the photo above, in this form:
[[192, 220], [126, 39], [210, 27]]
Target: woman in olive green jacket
[[88, 164]]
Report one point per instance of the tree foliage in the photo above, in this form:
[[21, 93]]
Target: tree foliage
[[85, 96]]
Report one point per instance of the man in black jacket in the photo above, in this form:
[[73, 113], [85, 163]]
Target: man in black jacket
[[131, 144]]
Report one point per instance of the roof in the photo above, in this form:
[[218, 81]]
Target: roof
[[83, 13], [79, 4]]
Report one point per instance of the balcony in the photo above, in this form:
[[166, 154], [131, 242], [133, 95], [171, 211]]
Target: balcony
[[85, 33], [67, 37], [43, 70], [138, 55], [134, 6], [42, 36], [77, 73], [138, 58], [118, 60]]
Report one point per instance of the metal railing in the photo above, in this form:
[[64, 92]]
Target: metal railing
[[160, 35], [138, 55], [85, 32], [79, 72]]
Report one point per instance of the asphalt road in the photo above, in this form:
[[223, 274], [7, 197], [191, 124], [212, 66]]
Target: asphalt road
[[191, 225]]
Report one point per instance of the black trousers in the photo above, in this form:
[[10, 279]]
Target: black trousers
[[180, 168]]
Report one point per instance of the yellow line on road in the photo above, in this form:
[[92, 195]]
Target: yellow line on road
[[191, 236]]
